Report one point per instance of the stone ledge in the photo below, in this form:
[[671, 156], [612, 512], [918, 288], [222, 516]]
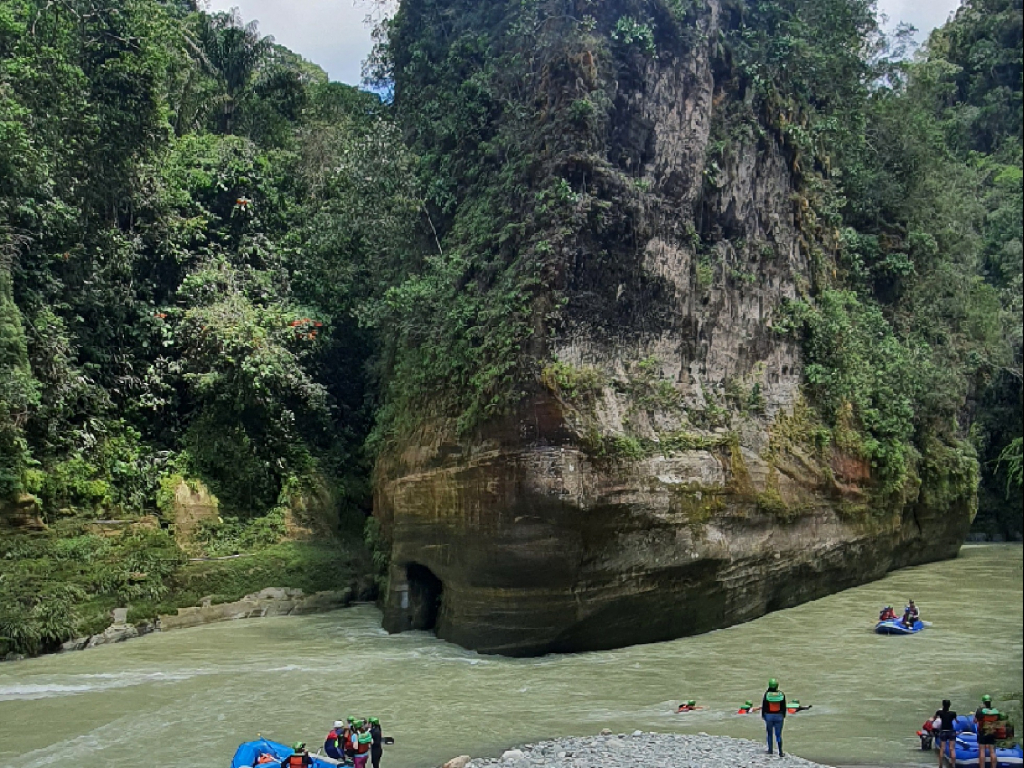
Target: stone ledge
[[273, 601]]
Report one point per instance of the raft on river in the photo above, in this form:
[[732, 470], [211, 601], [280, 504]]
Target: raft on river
[[967, 752], [248, 755], [897, 627]]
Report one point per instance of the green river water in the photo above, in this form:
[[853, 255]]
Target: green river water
[[187, 698]]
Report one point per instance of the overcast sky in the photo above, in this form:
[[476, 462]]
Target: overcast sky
[[333, 33]]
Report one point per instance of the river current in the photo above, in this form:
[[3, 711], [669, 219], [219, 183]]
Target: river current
[[187, 698]]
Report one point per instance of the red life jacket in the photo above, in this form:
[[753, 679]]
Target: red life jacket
[[362, 748], [774, 707], [296, 761]]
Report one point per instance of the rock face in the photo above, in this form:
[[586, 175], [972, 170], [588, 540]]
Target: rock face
[[191, 503], [662, 479], [21, 512]]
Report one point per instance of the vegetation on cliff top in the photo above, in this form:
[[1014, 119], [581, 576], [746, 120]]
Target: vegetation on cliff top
[[216, 264], [908, 186]]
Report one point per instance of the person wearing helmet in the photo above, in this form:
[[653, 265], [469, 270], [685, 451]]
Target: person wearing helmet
[[773, 712], [887, 614], [299, 758], [377, 746], [689, 706], [363, 743], [334, 744], [794, 706], [747, 708], [987, 717]]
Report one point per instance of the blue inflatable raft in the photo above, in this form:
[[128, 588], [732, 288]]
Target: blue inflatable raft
[[897, 627], [248, 755], [967, 752]]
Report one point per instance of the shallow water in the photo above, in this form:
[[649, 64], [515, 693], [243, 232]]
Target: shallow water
[[187, 698]]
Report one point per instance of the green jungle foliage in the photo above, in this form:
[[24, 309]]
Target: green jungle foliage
[[217, 265], [908, 171], [189, 217]]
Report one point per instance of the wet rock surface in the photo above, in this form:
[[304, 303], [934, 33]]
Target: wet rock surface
[[651, 750]]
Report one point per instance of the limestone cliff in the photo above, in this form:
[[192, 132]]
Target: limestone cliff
[[663, 473]]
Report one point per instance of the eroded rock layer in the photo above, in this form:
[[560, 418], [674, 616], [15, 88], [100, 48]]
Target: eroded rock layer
[[663, 477]]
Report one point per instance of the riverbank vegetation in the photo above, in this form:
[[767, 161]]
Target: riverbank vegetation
[[218, 266]]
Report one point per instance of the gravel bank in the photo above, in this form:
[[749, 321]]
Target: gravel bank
[[650, 750]]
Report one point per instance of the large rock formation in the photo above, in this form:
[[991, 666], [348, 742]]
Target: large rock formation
[[663, 478]]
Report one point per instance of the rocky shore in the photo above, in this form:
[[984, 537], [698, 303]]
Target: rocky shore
[[651, 750]]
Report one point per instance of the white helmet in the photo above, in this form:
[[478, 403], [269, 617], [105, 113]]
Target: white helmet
[[339, 724]]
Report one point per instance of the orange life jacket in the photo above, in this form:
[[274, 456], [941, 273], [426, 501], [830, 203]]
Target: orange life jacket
[[774, 707], [296, 761]]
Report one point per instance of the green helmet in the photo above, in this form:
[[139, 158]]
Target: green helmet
[[359, 723], [374, 721], [773, 684], [748, 704], [350, 719], [298, 745], [691, 703], [987, 699], [794, 703]]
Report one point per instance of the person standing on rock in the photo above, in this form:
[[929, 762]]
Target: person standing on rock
[[773, 712]]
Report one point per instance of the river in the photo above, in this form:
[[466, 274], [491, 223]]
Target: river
[[187, 698]]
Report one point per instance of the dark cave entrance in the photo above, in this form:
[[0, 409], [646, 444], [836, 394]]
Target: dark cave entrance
[[425, 594]]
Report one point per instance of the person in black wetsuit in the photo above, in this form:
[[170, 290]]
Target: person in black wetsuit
[[377, 748], [945, 734]]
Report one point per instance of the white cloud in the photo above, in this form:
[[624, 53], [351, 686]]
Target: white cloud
[[331, 33], [926, 15], [334, 34]]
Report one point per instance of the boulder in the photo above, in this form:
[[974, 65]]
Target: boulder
[[458, 762]]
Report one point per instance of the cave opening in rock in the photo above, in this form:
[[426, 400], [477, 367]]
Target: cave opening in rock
[[425, 593]]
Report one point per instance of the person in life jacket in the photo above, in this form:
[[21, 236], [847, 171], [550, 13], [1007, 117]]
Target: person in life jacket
[[910, 614], [299, 758], [334, 744], [363, 745], [773, 712], [988, 719], [887, 614], [794, 706], [747, 708], [689, 706], [349, 732]]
